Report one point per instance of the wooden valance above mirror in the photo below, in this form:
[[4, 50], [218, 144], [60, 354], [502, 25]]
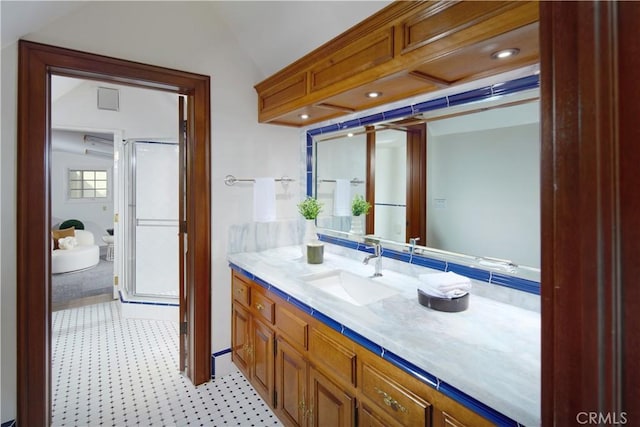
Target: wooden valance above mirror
[[406, 49]]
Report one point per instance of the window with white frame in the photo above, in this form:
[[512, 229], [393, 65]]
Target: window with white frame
[[88, 184]]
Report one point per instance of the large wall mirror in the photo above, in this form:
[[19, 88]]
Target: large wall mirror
[[462, 179]]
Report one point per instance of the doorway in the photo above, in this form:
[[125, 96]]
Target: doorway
[[37, 63]]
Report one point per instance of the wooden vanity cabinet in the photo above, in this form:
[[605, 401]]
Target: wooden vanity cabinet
[[292, 372], [330, 404], [311, 375], [252, 347]]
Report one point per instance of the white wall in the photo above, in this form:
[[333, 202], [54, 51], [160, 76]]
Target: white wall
[[98, 211], [8, 235], [490, 183], [181, 35], [143, 113]]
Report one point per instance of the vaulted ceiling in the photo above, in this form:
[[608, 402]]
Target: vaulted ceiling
[[273, 33]]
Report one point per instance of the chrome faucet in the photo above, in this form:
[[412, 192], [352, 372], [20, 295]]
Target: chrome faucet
[[377, 254]]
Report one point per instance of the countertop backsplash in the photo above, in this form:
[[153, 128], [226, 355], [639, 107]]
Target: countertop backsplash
[[257, 236]]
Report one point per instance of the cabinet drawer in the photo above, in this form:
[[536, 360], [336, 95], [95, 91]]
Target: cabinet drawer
[[292, 326], [397, 401], [336, 358], [240, 289], [263, 307]]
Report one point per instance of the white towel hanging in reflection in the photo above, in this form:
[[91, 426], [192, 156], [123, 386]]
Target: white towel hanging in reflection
[[342, 198], [264, 200]]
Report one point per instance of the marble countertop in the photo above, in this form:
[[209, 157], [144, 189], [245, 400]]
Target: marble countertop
[[491, 351]]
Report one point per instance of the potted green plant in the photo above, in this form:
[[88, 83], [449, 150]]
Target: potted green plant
[[310, 208], [359, 207]]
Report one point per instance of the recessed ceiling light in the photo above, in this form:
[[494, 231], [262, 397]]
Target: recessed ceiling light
[[505, 53], [373, 94], [304, 116]]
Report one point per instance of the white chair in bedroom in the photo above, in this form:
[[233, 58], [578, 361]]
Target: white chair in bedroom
[[84, 255]]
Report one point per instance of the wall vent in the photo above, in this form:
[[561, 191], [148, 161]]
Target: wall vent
[[108, 99]]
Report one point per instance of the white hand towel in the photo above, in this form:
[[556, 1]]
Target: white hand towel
[[342, 198], [264, 200], [447, 285]]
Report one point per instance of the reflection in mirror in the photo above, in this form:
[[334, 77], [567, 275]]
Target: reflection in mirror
[[480, 185], [390, 192], [340, 176]]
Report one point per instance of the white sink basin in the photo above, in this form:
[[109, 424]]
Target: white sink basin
[[349, 287]]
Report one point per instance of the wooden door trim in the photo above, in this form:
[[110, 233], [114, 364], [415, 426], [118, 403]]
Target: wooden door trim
[[37, 62], [417, 183], [370, 190], [590, 212]]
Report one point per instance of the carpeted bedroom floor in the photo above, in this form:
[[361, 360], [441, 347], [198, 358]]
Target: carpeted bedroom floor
[[82, 287]]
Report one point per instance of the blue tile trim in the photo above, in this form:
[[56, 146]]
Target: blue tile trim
[[515, 283], [222, 352], [470, 96], [11, 423], [419, 373], [328, 321], [309, 165], [397, 113], [433, 104], [422, 261], [476, 406], [338, 241], [161, 304], [409, 367], [279, 293], [400, 256], [364, 342], [374, 118], [213, 360], [297, 303], [473, 273], [517, 85], [350, 124]]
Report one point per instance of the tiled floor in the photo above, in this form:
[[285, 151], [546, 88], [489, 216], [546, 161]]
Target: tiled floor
[[110, 371]]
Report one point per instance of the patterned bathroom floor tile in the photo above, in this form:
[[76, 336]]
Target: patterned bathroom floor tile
[[112, 371]]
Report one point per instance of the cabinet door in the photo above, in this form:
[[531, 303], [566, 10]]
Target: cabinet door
[[240, 345], [329, 404], [262, 359], [292, 406], [443, 419], [367, 418], [391, 398]]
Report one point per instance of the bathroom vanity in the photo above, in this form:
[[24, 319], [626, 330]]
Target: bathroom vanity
[[319, 357]]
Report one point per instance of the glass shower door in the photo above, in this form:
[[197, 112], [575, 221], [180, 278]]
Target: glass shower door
[[154, 264]]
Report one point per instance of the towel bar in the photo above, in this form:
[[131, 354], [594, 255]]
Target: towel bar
[[230, 179]]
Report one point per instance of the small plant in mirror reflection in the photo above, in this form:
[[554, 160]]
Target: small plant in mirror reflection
[[310, 208], [359, 206]]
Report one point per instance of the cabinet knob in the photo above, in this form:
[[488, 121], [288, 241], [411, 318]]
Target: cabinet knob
[[259, 306], [239, 290], [390, 401]]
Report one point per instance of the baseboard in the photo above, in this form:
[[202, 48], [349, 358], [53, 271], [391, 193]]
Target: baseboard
[[218, 355]]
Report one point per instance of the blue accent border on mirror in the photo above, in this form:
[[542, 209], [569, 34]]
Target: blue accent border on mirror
[[475, 95]]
